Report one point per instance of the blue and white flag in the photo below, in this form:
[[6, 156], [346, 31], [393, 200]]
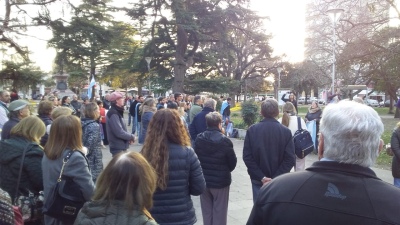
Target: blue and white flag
[[89, 90]]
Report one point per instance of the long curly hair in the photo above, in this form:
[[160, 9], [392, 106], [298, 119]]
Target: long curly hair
[[165, 127]]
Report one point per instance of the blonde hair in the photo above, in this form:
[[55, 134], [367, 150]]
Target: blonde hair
[[60, 111], [91, 110], [129, 178], [181, 108], [65, 132], [31, 128]]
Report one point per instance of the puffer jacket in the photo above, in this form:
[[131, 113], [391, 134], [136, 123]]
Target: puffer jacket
[[92, 141], [395, 144], [11, 151], [98, 213], [173, 206], [217, 157]]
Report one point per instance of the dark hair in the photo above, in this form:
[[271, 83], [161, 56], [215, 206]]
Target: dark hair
[[229, 99], [213, 119], [160, 98], [196, 98], [64, 99], [177, 94], [99, 102], [172, 105]]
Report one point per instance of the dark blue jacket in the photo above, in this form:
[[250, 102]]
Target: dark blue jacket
[[47, 121], [198, 124], [268, 150], [173, 206], [217, 157], [5, 133]]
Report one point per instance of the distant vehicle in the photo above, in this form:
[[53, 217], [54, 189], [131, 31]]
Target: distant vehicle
[[313, 99], [371, 102], [301, 100], [386, 103], [321, 101]]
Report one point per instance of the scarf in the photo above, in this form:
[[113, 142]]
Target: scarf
[[119, 110], [313, 110]]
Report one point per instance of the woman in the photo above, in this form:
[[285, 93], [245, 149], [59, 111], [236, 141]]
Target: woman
[[66, 102], [65, 136], [289, 119], [25, 136], [148, 108], [182, 111], [57, 112], [291, 99], [116, 205], [53, 99], [395, 145], [44, 112], [91, 139], [103, 123], [314, 113], [167, 148]]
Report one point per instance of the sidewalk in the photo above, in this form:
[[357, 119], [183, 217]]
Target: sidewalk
[[240, 199]]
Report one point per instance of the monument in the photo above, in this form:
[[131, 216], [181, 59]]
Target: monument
[[62, 86]]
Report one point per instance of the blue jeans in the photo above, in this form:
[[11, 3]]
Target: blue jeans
[[255, 186], [396, 182], [133, 124], [116, 151]]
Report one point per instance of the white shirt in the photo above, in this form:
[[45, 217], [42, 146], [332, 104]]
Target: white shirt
[[293, 124]]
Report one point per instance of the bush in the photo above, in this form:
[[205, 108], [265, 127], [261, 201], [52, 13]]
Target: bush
[[249, 112]]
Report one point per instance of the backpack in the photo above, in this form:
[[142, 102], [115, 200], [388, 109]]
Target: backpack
[[302, 140]]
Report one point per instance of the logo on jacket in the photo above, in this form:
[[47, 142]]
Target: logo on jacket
[[333, 192]]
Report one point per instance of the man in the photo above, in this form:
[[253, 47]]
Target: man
[[161, 102], [118, 137], [268, 149], [132, 110], [128, 104], [19, 109], [196, 108], [4, 100], [340, 188], [106, 102], [218, 160], [226, 109], [76, 105], [199, 124], [178, 97]]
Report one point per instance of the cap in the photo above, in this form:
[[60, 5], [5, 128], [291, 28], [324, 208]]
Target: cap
[[115, 96], [17, 105]]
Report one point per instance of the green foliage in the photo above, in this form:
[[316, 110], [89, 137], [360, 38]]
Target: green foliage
[[250, 112], [20, 75], [215, 85]]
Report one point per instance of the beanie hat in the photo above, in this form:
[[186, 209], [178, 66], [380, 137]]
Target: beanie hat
[[115, 96], [17, 105]]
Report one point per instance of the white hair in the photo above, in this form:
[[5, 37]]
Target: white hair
[[351, 133], [210, 103]]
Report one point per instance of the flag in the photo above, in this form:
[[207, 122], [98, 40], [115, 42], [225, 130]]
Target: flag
[[89, 90]]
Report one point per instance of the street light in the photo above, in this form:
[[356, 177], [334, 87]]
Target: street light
[[148, 60], [334, 15], [279, 69]]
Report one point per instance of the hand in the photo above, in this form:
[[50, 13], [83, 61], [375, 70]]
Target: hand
[[266, 180]]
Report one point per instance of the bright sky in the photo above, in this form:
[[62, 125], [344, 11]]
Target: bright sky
[[286, 24]]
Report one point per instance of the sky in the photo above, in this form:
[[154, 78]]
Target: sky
[[286, 25]]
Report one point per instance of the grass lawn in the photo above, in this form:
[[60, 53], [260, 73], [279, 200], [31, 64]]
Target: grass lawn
[[384, 161]]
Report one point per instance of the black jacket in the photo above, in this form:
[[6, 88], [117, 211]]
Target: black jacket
[[10, 161], [174, 206], [327, 193], [198, 124], [47, 121], [268, 150], [6, 132], [395, 144], [217, 157]]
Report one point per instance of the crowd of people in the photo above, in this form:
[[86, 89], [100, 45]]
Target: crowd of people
[[185, 152]]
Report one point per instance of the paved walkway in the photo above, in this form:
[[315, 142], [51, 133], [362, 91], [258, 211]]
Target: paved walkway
[[240, 200]]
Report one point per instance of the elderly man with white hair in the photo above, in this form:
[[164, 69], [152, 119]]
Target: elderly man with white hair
[[340, 188]]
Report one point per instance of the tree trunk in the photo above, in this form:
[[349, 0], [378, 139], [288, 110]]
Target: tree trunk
[[179, 71]]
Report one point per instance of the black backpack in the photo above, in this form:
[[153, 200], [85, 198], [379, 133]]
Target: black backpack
[[303, 144]]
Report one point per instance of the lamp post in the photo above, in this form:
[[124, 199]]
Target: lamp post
[[148, 60], [279, 69], [334, 15]]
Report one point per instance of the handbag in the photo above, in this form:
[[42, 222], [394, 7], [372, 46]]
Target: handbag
[[303, 143], [28, 207], [66, 199]]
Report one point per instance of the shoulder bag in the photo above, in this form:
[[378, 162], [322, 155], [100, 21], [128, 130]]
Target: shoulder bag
[[27, 207], [303, 144], [66, 199]]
